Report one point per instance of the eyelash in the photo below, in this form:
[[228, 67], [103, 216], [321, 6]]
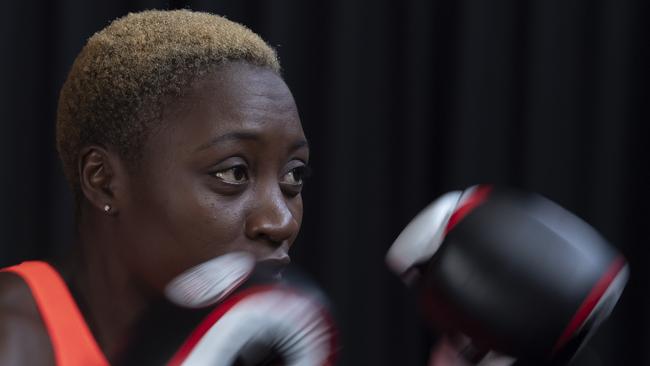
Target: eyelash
[[233, 169], [303, 172]]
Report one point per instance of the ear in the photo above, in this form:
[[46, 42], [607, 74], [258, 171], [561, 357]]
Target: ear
[[100, 178]]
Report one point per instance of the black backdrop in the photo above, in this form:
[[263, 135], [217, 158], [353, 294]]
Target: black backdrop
[[401, 101]]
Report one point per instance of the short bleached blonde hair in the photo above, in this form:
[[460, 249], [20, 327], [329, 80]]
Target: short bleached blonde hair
[[115, 90]]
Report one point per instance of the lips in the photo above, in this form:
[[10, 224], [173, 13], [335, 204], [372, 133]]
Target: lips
[[273, 266]]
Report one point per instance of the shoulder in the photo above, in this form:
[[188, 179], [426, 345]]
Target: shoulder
[[23, 337]]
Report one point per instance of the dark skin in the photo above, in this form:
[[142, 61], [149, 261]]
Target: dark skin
[[223, 172]]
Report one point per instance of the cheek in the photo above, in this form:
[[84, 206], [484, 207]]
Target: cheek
[[179, 225], [203, 224], [297, 209], [222, 222]]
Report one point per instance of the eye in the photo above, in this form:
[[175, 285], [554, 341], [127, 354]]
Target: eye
[[296, 176], [233, 175]]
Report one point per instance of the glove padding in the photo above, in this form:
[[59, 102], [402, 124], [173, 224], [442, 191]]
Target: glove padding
[[261, 325], [224, 312]]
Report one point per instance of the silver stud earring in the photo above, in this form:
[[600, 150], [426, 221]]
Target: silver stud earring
[[107, 208]]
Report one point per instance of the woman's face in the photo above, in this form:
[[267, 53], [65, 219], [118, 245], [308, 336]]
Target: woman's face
[[222, 173]]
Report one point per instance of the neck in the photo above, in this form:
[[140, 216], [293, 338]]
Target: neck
[[107, 293]]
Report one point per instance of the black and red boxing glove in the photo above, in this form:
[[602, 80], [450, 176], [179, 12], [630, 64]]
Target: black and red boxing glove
[[513, 271], [230, 311]]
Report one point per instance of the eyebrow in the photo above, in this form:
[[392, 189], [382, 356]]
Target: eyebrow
[[251, 136]]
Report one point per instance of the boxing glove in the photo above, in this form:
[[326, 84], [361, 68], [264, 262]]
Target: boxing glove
[[231, 311], [513, 271]]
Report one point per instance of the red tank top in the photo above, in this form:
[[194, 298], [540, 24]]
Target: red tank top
[[72, 341]]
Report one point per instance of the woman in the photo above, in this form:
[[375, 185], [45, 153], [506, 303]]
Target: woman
[[181, 142]]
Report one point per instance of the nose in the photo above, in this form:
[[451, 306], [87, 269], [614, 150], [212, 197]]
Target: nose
[[271, 219]]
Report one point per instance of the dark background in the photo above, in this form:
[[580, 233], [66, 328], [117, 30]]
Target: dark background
[[402, 101]]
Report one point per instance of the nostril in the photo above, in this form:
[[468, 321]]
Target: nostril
[[273, 233], [274, 242]]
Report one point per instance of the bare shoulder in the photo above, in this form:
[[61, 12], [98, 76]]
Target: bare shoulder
[[23, 336]]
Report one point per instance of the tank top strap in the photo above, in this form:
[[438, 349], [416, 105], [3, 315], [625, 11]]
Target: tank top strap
[[72, 341]]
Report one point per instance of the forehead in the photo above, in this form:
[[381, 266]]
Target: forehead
[[237, 97]]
